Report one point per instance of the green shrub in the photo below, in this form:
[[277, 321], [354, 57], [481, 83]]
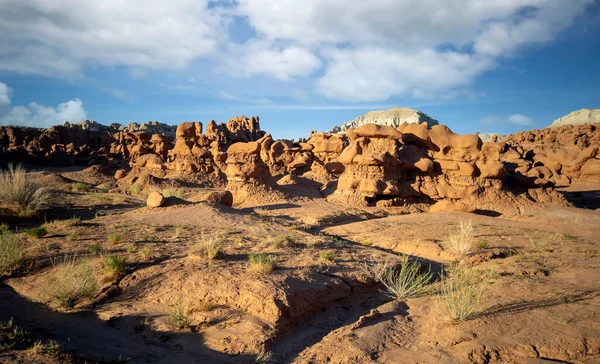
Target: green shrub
[[38, 232], [131, 248], [177, 316], [260, 263], [208, 247], [11, 252], [482, 244], [173, 192], [407, 281], [4, 227], [94, 249], [282, 241], [72, 282], [462, 294], [24, 194], [114, 238], [11, 335], [115, 265], [80, 187], [327, 256], [366, 243]]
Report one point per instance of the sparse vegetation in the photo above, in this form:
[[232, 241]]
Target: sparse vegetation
[[72, 282], [24, 194], [38, 232], [173, 192], [114, 238], [11, 335], [51, 347], [208, 247], [11, 252], [115, 265], [366, 243], [327, 256], [135, 188], [146, 252], [282, 241], [260, 263], [462, 293], [80, 187], [460, 241], [4, 227], [569, 237], [131, 248], [177, 316], [94, 249], [403, 282], [263, 357], [63, 224], [482, 244]]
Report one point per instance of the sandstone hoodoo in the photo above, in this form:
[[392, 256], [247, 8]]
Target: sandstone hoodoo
[[392, 117]]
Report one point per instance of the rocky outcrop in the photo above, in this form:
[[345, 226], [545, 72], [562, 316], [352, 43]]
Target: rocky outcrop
[[583, 116], [553, 156], [392, 117]]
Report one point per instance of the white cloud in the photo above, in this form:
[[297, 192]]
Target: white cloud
[[36, 115], [360, 50], [515, 119]]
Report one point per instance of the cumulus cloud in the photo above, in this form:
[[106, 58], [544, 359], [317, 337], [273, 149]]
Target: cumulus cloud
[[36, 115], [351, 51], [515, 119]]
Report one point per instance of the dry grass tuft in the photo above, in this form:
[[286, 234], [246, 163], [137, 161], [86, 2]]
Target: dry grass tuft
[[403, 282], [260, 263], [114, 238], [208, 247], [462, 293], [80, 187], [282, 241], [71, 282], [63, 224], [460, 241], [24, 194], [11, 252], [115, 265]]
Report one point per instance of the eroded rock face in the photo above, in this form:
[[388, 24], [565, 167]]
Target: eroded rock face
[[392, 117], [553, 156]]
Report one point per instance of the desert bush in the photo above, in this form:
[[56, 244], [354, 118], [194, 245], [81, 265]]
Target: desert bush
[[80, 187], [327, 256], [208, 247], [462, 293], [282, 241], [260, 263], [24, 194], [11, 335], [131, 248], [407, 281], [115, 265], [114, 238], [11, 252], [483, 244], [72, 282], [94, 249], [135, 188], [173, 192], [38, 232], [460, 241], [177, 315], [146, 252]]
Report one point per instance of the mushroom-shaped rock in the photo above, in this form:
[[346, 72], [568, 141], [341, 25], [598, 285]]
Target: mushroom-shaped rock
[[155, 199]]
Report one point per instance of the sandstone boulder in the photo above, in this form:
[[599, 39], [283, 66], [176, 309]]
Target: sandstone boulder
[[155, 199]]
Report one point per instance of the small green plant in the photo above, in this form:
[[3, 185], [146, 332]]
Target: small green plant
[[11, 335], [115, 265], [366, 243], [72, 282], [404, 282], [80, 187], [177, 316], [146, 252], [71, 237], [173, 192], [24, 193], [131, 248], [94, 249], [11, 252], [4, 227], [569, 237], [462, 294], [327, 256], [460, 241], [260, 263], [483, 244], [208, 247], [114, 238], [135, 188], [282, 241], [38, 232]]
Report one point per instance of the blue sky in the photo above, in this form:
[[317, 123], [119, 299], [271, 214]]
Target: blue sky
[[488, 66]]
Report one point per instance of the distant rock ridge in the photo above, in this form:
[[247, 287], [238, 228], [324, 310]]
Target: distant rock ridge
[[583, 116], [152, 127], [392, 117]]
